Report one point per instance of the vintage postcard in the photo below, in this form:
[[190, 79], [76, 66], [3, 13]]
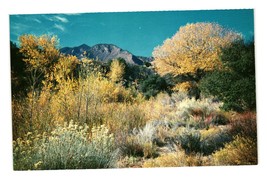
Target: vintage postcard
[[133, 89]]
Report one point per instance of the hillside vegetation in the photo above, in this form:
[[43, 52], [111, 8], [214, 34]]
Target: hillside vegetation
[[194, 105]]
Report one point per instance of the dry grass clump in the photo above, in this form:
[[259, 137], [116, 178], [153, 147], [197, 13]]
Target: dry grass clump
[[178, 159], [241, 151]]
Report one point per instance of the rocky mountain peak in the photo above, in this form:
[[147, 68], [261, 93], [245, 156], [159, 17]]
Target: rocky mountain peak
[[104, 53]]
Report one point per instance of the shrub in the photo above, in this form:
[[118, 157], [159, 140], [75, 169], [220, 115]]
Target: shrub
[[123, 117], [200, 111], [29, 115], [189, 140], [220, 119], [71, 148], [241, 151], [178, 108], [20, 118], [204, 142], [167, 160], [107, 91], [153, 85], [244, 124], [68, 147], [159, 108], [177, 159], [213, 139], [130, 162], [25, 151], [164, 133], [140, 143]]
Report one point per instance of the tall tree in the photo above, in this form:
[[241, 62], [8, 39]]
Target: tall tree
[[117, 70], [234, 84], [193, 51], [39, 55]]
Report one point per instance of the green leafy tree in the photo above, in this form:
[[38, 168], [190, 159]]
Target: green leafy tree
[[235, 83]]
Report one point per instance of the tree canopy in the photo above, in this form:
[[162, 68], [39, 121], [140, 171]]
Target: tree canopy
[[194, 50], [235, 83], [117, 71]]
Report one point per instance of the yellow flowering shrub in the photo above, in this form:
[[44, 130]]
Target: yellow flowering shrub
[[241, 151], [25, 151], [177, 159], [67, 147]]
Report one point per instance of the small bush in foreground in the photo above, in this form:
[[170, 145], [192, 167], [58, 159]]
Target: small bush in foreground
[[68, 147], [204, 142], [213, 139], [177, 159], [130, 162], [140, 143], [25, 151], [190, 141], [241, 151], [201, 113]]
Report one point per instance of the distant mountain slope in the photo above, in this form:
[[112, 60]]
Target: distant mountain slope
[[76, 51], [104, 53], [145, 59]]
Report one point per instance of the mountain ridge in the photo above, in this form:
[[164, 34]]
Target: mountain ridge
[[104, 52]]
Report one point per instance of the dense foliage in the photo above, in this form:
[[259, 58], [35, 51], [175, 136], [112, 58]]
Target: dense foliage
[[238, 61], [19, 83], [194, 50], [76, 114], [153, 85]]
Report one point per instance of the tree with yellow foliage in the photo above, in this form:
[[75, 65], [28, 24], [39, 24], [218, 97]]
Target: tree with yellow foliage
[[194, 50], [117, 70], [39, 54]]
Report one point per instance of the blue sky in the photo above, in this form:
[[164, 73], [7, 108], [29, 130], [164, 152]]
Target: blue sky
[[137, 32]]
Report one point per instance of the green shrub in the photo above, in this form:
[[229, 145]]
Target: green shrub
[[183, 111], [68, 147], [189, 140], [214, 141], [25, 151], [204, 142]]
